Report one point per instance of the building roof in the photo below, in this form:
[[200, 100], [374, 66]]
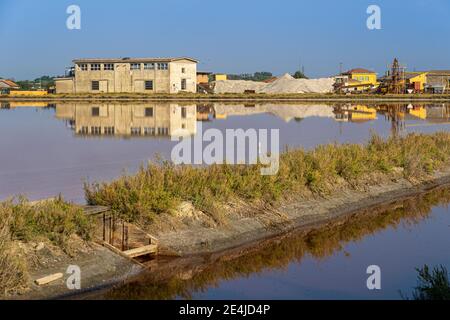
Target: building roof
[[131, 60], [409, 75], [359, 70], [9, 84], [439, 72], [204, 73]]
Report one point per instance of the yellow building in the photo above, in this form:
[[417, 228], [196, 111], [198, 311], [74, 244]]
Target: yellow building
[[203, 77], [220, 76], [416, 80], [35, 93], [357, 80], [364, 76]]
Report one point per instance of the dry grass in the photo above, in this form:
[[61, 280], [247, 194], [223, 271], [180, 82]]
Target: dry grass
[[161, 186], [53, 221], [12, 269]]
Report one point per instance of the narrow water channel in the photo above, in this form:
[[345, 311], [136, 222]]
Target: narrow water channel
[[327, 263], [50, 149]]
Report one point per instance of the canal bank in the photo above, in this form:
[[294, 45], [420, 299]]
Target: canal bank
[[195, 97]]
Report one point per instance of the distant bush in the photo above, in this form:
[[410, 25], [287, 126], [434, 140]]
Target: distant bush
[[433, 285]]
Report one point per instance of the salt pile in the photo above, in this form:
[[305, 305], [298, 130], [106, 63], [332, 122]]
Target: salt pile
[[287, 84], [237, 86], [284, 84]]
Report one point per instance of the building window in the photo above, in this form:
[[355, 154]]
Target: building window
[[163, 66], [135, 66], [95, 67], [108, 66], [149, 66], [183, 70], [149, 112], [149, 85], [95, 85], [183, 84], [83, 67], [95, 111], [183, 112]]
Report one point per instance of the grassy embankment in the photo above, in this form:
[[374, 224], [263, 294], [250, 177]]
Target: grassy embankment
[[160, 187], [228, 96], [54, 222]]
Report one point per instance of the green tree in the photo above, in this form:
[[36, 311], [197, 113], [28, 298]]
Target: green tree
[[299, 75], [257, 76]]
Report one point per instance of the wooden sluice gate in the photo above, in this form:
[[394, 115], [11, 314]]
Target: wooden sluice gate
[[120, 236]]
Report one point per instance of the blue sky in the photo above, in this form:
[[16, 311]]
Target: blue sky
[[233, 36]]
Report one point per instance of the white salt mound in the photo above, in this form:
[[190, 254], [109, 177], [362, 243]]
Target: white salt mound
[[237, 86], [284, 84]]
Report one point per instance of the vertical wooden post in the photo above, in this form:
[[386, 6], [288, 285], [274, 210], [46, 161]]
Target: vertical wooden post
[[104, 226]]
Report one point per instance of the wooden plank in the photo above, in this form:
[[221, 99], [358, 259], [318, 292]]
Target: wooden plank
[[133, 253], [48, 279], [121, 253], [93, 210]]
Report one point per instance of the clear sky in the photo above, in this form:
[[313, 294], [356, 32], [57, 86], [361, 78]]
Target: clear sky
[[233, 36]]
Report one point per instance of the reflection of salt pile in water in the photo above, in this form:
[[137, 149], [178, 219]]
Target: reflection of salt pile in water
[[285, 112], [284, 84]]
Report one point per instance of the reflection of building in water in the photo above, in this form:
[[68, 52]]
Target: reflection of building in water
[[138, 120], [417, 112], [23, 104], [358, 113], [438, 113]]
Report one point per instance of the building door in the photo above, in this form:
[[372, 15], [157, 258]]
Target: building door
[[122, 78], [103, 85]]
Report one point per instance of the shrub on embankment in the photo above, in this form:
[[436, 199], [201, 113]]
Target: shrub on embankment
[[160, 187], [53, 221]]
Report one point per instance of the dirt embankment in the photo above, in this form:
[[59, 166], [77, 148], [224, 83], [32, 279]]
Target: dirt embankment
[[100, 268], [191, 232]]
